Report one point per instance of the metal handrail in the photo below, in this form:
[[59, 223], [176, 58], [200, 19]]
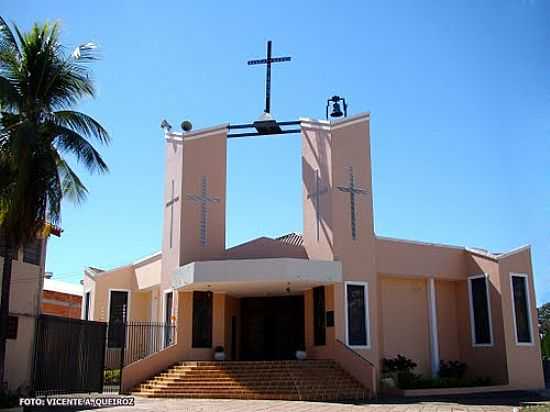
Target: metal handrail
[[355, 353]]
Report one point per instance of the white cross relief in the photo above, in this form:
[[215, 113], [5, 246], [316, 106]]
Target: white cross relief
[[170, 204], [317, 198], [352, 190], [203, 199]]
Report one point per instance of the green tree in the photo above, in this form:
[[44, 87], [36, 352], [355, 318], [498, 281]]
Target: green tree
[[40, 81], [544, 318], [544, 324]]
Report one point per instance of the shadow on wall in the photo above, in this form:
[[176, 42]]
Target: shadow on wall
[[482, 359], [311, 173]]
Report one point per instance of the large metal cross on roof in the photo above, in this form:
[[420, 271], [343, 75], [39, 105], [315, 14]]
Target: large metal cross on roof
[[265, 125], [267, 61]]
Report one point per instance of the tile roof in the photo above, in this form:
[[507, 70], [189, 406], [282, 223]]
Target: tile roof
[[294, 239]]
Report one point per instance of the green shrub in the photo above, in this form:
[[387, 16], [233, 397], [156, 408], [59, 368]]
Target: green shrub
[[10, 399], [452, 369], [398, 364], [433, 383], [451, 375], [545, 346], [111, 376], [400, 368]]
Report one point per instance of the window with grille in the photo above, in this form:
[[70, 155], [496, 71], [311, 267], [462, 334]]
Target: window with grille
[[202, 319], [521, 305], [480, 311], [357, 314]]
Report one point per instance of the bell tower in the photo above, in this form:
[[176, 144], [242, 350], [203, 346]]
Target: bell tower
[[336, 174], [194, 198], [338, 212]]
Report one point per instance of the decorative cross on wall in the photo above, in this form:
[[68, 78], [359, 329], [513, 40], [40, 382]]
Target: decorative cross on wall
[[352, 190], [170, 204], [317, 198], [203, 199]]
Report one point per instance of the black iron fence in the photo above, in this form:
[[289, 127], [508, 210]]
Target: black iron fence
[[546, 370], [73, 355], [68, 355], [129, 342], [145, 338], [136, 340]]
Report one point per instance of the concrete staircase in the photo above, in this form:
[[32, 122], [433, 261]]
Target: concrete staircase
[[312, 380]]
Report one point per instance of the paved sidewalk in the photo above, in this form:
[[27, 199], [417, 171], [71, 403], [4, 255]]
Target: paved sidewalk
[[214, 405]]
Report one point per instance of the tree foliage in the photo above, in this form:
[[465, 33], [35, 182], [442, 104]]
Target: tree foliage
[[40, 83], [544, 318]]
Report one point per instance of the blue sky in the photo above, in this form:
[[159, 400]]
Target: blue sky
[[459, 93]]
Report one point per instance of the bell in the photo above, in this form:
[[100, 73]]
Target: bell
[[336, 111]]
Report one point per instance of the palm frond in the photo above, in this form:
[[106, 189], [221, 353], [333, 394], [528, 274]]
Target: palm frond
[[70, 83], [7, 39], [72, 186], [81, 123], [52, 189], [9, 95], [85, 52], [70, 141], [39, 84]]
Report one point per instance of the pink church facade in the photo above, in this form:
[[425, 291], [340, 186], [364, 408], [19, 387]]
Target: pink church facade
[[339, 291]]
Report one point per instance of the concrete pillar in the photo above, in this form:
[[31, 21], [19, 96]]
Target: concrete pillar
[[432, 316]]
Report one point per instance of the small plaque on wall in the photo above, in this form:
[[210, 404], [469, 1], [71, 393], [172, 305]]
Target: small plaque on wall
[[330, 319]]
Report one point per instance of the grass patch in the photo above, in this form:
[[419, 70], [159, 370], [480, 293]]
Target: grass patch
[[111, 376], [418, 382], [537, 408]]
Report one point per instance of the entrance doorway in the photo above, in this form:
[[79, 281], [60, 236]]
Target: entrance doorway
[[272, 327]]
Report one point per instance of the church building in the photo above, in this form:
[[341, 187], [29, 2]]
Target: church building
[[338, 291]]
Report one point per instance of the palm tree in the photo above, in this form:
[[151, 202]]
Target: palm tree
[[40, 81]]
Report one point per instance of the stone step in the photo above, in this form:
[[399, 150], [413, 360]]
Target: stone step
[[261, 391], [301, 386], [354, 396], [291, 380], [315, 372], [244, 373], [221, 381]]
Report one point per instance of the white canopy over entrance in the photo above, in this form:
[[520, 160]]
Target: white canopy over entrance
[[257, 277]]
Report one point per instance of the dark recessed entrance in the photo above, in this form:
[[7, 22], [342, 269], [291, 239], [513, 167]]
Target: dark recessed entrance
[[272, 327]]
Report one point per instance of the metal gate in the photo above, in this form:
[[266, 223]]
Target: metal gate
[[129, 342], [115, 345], [69, 355]]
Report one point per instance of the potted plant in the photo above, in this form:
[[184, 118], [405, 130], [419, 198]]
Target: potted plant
[[301, 353], [397, 372], [219, 353]]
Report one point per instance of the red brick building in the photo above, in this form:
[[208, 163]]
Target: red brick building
[[62, 299]]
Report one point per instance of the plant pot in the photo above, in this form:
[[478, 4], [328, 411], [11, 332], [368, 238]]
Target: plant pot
[[219, 356], [300, 354]]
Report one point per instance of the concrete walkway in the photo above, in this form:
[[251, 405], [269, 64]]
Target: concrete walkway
[[214, 405]]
